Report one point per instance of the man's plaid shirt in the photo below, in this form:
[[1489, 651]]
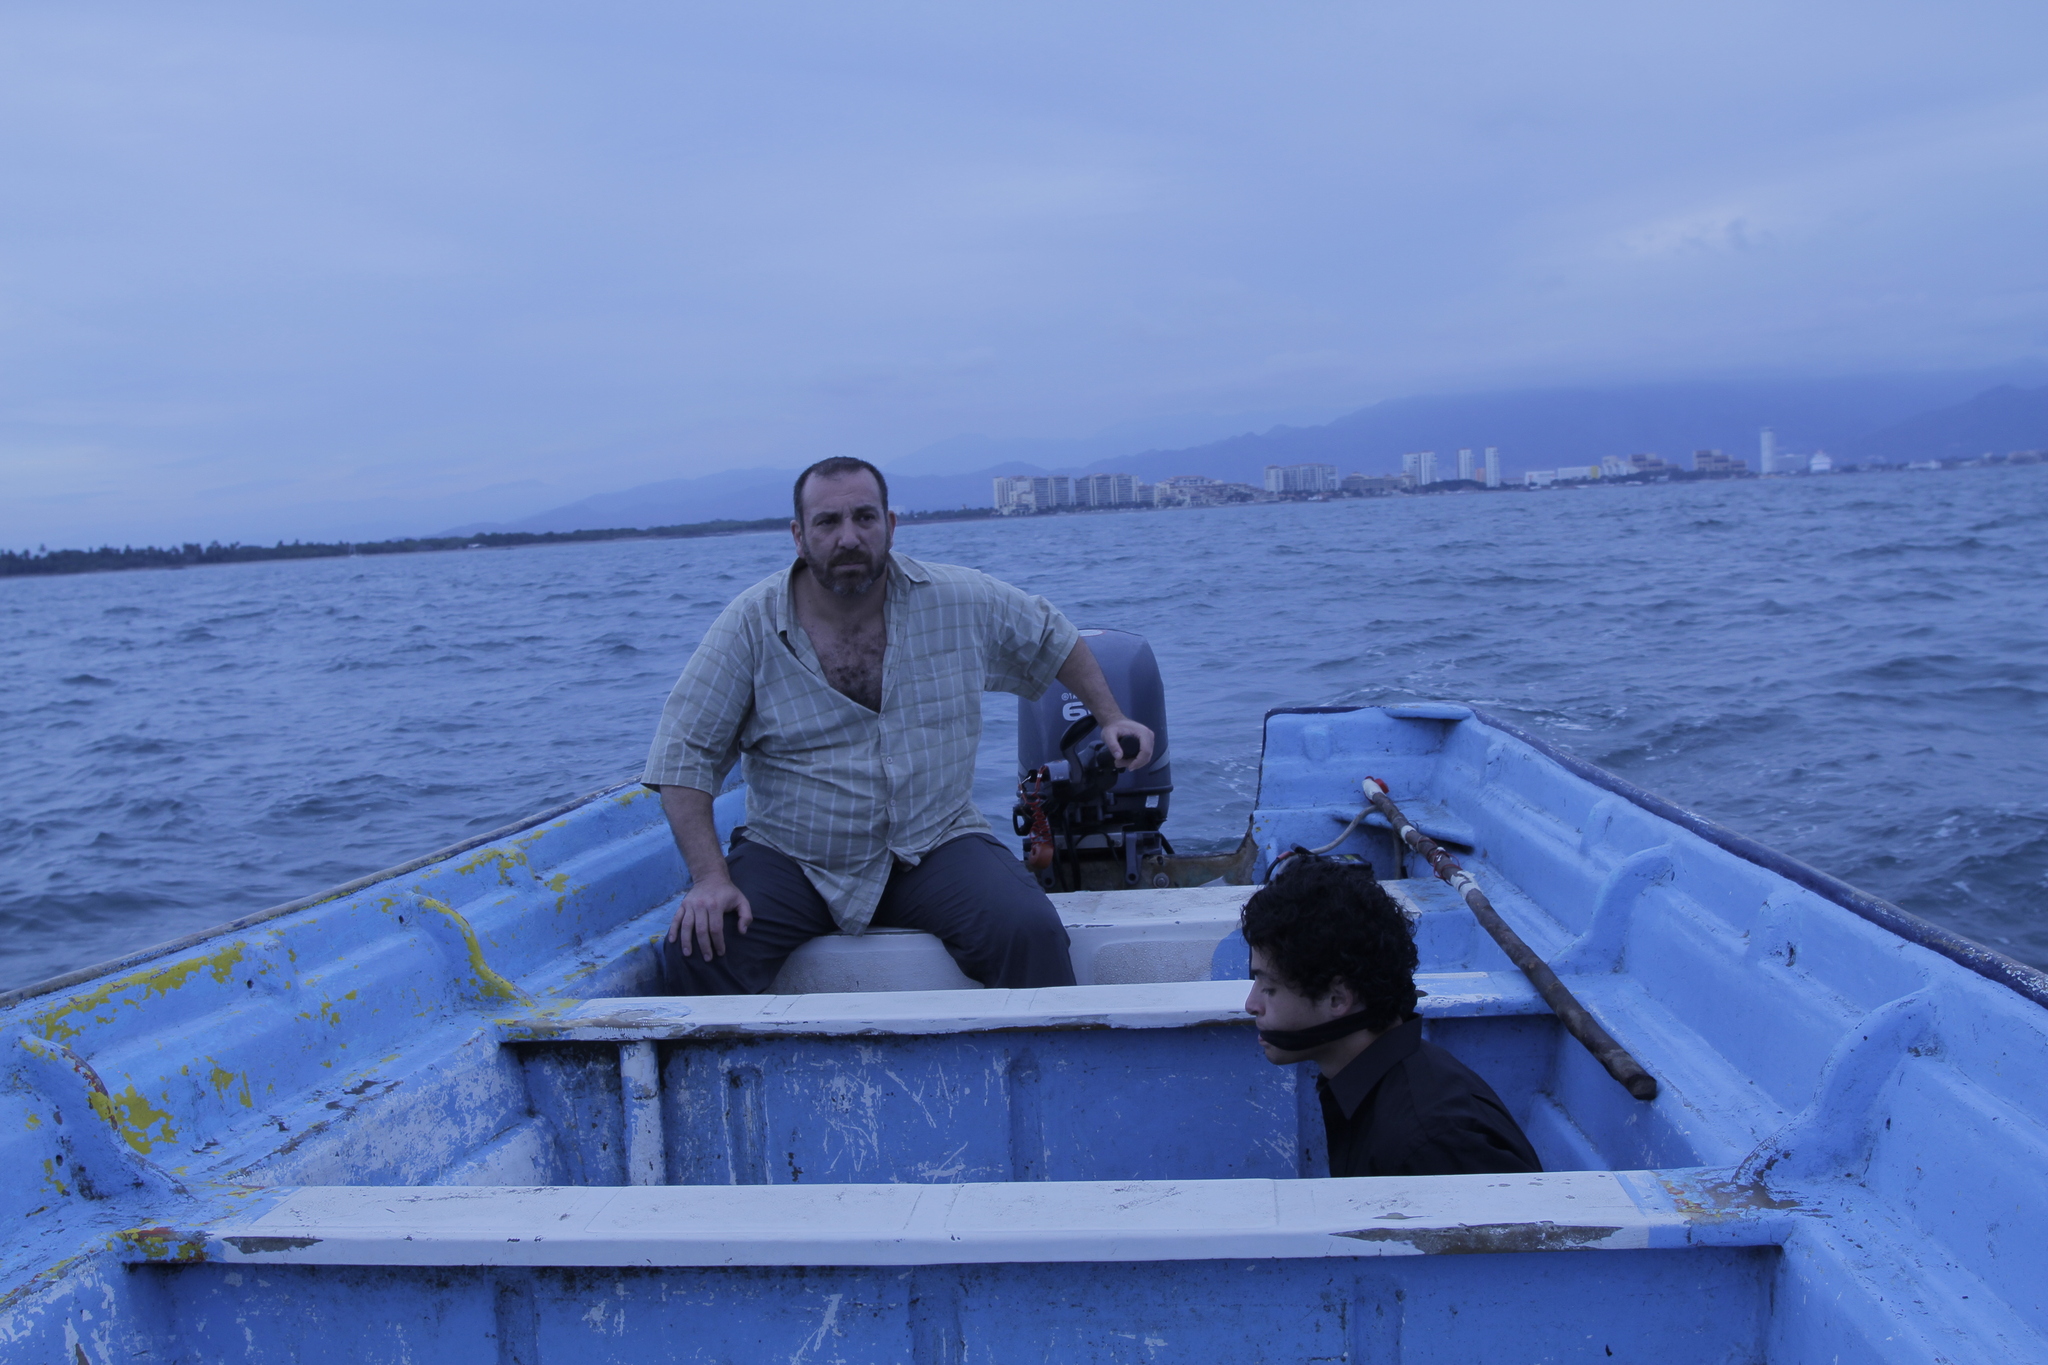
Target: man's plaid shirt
[[844, 791]]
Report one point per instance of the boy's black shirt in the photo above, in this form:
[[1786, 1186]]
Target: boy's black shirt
[[1407, 1107]]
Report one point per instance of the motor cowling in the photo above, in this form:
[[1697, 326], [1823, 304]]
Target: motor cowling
[[1070, 799]]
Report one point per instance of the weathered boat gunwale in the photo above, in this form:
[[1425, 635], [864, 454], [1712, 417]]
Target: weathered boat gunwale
[[1987, 962], [78, 976]]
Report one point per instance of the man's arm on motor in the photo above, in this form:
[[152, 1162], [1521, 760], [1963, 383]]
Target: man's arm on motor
[[1082, 676], [700, 919]]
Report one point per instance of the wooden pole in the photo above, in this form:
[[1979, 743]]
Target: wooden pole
[[1582, 1025]]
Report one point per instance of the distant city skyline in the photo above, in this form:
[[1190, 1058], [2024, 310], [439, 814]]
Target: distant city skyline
[[1553, 428]]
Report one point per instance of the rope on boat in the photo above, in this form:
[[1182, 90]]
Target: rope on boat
[[1356, 820], [1583, 1026]]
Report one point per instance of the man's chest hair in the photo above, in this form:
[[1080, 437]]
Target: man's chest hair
[[852, 661]]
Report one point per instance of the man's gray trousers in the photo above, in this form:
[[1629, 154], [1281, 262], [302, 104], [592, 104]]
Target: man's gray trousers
[[970, 892]]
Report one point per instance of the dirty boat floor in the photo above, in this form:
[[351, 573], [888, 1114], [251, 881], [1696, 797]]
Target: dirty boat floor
[[437, 1118]]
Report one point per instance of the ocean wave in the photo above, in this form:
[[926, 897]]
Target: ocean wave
[[1960, 545], [131, 746], [1908, 668], [325, 807]]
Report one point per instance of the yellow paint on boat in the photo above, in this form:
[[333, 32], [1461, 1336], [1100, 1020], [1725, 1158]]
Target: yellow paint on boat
[[500, 857], [131, 1112], [488, 983], [160, 1244], [70, 1017], [225, 1080]]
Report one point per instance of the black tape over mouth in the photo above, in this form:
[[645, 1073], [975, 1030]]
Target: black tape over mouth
[[1308, 1039]]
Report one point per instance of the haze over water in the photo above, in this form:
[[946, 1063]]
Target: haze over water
[[1850, 669]]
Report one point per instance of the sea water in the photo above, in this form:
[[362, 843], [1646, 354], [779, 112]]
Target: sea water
[[1851, 669]]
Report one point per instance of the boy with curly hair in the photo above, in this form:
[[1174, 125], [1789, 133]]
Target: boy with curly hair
[[1333, 982]]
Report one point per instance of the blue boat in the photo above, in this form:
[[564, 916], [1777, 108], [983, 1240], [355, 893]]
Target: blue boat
[[435, 1116]]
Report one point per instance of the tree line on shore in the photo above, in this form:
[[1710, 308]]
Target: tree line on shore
[[15, 563]]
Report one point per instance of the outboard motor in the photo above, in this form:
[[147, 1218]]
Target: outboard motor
[[1076, 812]]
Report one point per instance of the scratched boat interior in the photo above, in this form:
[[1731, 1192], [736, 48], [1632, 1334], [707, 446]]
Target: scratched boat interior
[[441, 1118]]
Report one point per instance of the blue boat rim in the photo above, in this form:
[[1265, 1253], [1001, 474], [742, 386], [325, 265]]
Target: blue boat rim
[[1987, 962], [347, 888]]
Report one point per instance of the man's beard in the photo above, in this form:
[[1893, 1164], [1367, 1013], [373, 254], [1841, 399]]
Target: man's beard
[[845, 585]]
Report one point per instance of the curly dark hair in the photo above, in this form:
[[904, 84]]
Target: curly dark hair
[[832, 467], [1321, 922]]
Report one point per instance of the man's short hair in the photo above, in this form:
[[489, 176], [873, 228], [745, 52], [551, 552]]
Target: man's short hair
[[1323, 922], [832, 468]]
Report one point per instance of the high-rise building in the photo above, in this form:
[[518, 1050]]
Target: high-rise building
[[1465, 465], [1410, 463], [1301, 478], [1768, 452], [1425, 467], [1714, 462], [1038, 494], [1493, 466], [1029, 494], [1105, 490]]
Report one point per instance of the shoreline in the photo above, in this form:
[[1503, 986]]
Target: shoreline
[[107, 559]]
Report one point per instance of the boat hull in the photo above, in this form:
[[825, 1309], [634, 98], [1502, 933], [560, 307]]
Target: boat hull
[[438, 1117]]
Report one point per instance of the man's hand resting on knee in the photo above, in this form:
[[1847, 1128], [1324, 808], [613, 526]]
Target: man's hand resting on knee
[[700, 919]]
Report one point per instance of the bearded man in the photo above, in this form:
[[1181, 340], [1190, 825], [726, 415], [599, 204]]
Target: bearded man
[[849, 685]]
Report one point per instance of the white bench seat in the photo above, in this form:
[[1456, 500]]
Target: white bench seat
[[943, 1224], [1156, 1005]]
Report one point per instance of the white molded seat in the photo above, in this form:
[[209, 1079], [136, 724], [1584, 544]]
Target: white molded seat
[[879, 960], [1119, 938]]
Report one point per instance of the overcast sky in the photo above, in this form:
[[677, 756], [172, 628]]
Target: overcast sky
[[354, 270]]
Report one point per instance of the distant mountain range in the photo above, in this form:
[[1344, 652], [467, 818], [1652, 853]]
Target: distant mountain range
[[1997, 421], [1879, 418]]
